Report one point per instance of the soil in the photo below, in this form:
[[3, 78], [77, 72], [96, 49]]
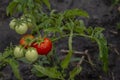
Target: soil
[[102, 13]]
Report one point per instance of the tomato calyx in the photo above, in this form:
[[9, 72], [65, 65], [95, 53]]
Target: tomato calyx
[[27, 19]]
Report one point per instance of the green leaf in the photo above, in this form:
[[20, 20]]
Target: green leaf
[[7, 52], [80, 27], [11, 7], [97, 32], [75, 12], [38, 1], [37, 73], [65, 62], [52, 29], [15, 68], [102, 43], [19, 8], [30, 4], [48, 71], [1, 57], [115, 2], [89, 31], [59, 20], [47, 3], [75, 72], [118, 26]]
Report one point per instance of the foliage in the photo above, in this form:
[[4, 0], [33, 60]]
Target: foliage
[[26, 6], [118, 25], [115, 2], [97, 35], [7, 59]]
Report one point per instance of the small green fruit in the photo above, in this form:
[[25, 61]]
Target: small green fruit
[[18, 52], [31, 55]]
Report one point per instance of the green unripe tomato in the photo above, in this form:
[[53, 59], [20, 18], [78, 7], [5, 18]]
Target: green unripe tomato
[[12, 24], [18, 52], [22, 28], [31, 55], [29, 23], [27, 20]]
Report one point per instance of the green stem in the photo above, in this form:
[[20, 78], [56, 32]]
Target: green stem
[[59, 38], [65, 62], [83, 35], [38, 32], [70, 42]]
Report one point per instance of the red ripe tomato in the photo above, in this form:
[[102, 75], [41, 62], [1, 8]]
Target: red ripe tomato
[[26, 40], [44, 47]]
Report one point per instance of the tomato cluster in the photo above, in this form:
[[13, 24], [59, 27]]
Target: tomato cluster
[[32, 47], [21, 25]]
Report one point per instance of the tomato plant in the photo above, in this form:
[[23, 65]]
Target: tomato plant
[[56, 26], [44, 47]]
